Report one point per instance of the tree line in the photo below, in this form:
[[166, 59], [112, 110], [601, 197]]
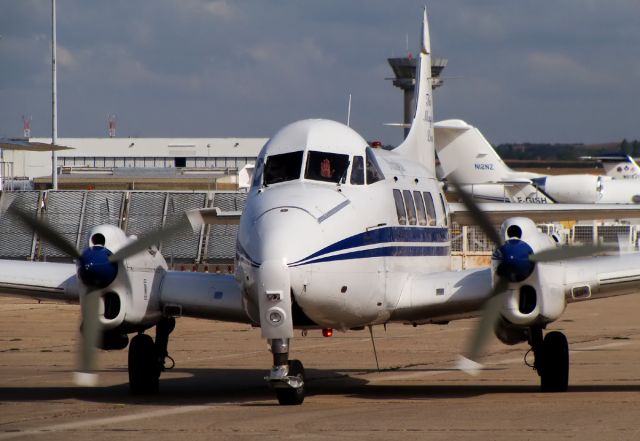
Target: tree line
[[565, 152]]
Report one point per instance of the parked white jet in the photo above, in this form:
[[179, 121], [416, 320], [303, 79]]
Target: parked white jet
[[617, 165], [337, 235], [464, 152]]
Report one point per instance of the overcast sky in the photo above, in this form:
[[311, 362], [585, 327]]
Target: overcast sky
[[543, 71]]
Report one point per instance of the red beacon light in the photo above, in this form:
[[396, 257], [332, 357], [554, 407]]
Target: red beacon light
[[327, 332], [376, 144]]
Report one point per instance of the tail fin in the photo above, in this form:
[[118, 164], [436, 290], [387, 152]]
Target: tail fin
[[618, 165], [462, 149], [419, 144]]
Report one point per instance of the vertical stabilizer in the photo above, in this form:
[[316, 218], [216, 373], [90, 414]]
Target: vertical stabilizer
[[465, 152], [419, 144]]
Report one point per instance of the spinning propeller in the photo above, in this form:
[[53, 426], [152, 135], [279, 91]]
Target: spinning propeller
[[97, 269], [517, 261]]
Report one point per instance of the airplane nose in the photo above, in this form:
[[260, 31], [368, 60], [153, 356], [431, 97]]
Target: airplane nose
[[279, 237], [284, 234]]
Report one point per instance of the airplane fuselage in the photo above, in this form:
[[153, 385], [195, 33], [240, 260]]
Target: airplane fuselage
[[347, 246]]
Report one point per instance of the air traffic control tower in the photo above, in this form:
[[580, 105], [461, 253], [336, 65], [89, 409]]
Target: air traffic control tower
[[405, 72]]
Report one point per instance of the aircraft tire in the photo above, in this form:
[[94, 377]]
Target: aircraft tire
[[290, 396], [144, 367], [554, 372]]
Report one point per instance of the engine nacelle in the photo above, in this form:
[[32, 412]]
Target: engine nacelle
[[534, 296], [131, 302], [577, 189]]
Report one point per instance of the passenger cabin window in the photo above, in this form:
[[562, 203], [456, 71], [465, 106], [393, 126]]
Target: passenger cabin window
[[422, 214], [402, 216], [431, 209], [374, 174], [282, 167], [411, 209], [357, 171], [327, 167], [444, 210]]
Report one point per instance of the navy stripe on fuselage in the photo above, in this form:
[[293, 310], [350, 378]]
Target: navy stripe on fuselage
[[390, 251], [384, 235]]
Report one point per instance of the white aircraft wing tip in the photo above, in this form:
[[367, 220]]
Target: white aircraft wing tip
[[85, 379], [468, 366]]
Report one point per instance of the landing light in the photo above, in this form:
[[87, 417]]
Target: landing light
[[327, 332], [275, 317]]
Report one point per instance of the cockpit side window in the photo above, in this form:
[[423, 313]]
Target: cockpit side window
[[327, 167], [374, 174], [357, 171], [257, 173], [282, 167]]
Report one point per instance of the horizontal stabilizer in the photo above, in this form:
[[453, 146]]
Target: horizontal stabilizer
[[213, 216]]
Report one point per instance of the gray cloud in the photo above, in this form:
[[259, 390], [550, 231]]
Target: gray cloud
[[565, 70]]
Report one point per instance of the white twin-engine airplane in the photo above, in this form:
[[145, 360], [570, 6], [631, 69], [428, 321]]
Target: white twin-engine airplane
[[467, 156], [335, 234]]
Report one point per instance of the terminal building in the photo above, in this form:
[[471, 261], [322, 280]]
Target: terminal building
[[154, 163]]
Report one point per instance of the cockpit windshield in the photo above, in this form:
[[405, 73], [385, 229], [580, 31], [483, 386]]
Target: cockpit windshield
[[327, 167], [282, 167]]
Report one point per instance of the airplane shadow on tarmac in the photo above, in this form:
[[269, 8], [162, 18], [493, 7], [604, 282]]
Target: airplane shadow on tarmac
[[247, 386]]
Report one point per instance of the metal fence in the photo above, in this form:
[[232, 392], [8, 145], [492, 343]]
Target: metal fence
[[75, 213]]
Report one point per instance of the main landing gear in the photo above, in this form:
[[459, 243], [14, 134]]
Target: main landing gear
[[147, 359], [286, 376], [551, 359]]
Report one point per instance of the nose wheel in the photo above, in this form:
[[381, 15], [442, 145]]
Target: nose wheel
[[288, 395], [286, 376]]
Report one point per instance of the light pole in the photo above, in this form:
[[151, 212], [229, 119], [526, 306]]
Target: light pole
[[54, 103]]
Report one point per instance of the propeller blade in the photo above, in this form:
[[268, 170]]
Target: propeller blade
[[570, 252], [91, 334], [144, 242], [488, 319], [45, 232], [482, 220]]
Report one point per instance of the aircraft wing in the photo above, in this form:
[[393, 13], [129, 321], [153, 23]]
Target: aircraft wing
[[39, 280], [498, 212]]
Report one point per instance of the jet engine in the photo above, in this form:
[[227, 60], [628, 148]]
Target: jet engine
[[576, 189]]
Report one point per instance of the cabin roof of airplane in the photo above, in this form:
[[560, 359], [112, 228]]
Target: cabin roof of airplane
[[316, 134]]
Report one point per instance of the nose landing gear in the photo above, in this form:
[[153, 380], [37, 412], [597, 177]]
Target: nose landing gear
[[286, 376]]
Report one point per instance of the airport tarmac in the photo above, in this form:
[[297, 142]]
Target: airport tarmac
[[216, 390]]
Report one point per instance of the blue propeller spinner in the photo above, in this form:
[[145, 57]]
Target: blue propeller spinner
[[95, 267], [514, 264]]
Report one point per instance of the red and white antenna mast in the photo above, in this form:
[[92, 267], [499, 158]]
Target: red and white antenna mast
[[26, 126], [111, 124]]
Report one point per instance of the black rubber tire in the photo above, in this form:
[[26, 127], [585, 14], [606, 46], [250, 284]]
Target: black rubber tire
[[144, 367], [554, 369], [290, 396]]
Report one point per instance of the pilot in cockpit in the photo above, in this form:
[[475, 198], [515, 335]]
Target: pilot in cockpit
[[325, 169], [325, 166]]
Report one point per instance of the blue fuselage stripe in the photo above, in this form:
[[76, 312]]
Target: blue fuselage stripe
[[389, 251], [385, 236]]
